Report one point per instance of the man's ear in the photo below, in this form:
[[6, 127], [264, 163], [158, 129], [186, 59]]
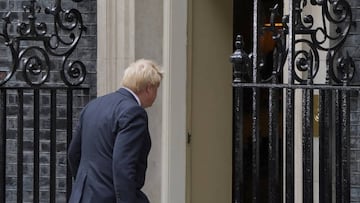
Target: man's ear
[[149, 87]]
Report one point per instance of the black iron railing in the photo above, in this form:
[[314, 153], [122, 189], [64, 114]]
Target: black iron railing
[[37, 100], [295, 85]]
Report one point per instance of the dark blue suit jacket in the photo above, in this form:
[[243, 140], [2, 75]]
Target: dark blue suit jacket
[[109, 150]]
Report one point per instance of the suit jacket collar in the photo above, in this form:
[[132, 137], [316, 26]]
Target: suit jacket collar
[[127, 92]]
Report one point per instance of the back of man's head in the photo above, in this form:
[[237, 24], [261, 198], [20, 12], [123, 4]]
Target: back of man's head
[[140, 74]]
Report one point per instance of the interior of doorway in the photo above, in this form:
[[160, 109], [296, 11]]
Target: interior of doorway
[[243, 11]]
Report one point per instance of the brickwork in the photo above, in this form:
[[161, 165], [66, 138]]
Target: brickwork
[[355, 149], [86, 53], [352, 45]]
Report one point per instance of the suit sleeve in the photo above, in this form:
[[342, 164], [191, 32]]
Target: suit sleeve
[[74, 151], [127, 150]]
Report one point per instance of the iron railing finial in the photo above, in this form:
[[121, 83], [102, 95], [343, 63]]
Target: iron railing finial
[[240, 60]]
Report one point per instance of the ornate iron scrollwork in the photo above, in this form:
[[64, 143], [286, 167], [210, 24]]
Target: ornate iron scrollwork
[[327, 34], [61, 41], [280, 47]]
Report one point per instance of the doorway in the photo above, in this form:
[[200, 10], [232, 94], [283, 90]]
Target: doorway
[[209, 112]]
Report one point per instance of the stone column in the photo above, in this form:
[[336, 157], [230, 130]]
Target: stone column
[[116, 42]]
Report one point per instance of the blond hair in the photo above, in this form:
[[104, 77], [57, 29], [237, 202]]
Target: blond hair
[[141, 73]]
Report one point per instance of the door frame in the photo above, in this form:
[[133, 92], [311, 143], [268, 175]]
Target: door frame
[[173, 187]]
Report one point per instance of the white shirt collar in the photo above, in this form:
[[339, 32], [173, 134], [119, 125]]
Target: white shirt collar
[[136, 97]]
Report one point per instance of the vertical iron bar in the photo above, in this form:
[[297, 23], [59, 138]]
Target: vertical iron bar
[[274, 177], [240, 62], [20, 145], [325, 131], [308, 145], [238, 169], [338, 146], [326, 141], [3, 147], [255, 106], [345, 145], [36, 183], [69, 117], [255, 146], [53, 145], [289, 170]]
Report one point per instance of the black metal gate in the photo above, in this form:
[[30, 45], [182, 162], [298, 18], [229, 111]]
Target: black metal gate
[[41, 90], [298, 107]]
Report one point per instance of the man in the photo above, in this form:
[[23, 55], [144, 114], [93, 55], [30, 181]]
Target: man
[[109, 150]]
